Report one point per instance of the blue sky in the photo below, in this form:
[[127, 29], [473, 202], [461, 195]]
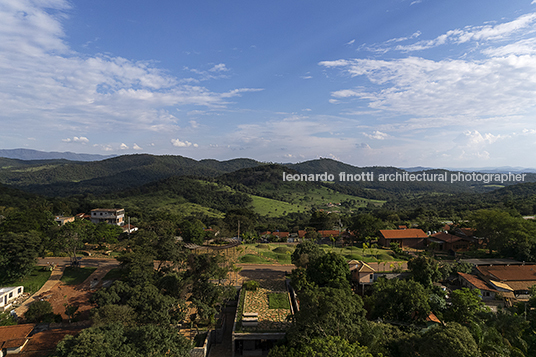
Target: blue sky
[[392, 82]]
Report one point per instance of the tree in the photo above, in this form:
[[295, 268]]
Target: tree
[[305, 252], [138, 265], [321, 220], [447, 341], [18, 254], [112, 313], [39, 311], [320, 347], [192, 231], [424, 270], [72, 236], [330, 269], [466, 305], [327, 312], [399, 300], [118, 340], [366, 225]]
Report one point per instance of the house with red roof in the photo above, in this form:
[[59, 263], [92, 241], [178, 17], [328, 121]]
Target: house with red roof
[[446, 242], [519, 278], [14, 338], [488, 292], [406, 238]]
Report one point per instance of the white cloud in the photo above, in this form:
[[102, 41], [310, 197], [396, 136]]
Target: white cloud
[[123, 146], [523, 25], [80, 139], [475, 139], [376, 135], [136, 147], [423, 87], [219, 68], [182, 144], [49, 87]]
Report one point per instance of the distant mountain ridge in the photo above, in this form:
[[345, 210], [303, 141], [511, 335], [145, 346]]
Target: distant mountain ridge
[[29, 154]]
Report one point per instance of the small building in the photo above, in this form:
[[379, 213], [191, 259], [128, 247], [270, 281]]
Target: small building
[[114, 216], [406, 238], [449, 242], [8, 295], [62, 220], [14, 338], [474, 282], [361, 272]]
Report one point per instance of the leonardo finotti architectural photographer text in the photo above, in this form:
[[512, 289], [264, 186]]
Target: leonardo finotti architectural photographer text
[[409, 177]]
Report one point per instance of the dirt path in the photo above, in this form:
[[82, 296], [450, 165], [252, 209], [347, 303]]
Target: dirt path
[[52, 281]]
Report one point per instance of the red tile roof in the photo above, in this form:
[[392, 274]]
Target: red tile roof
[[14, 336], [403, 233], [327, 233], [510, 272], [42, 343], [476, 282], [445, 237]]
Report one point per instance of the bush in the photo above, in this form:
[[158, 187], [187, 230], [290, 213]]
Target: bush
[[41, 311], [251, 285], [283, 250]]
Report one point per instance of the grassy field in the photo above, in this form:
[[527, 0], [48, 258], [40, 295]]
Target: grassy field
[[281, 253], [253, 259], [33, 281], [294, 201], [114, 274], [273, 208], [75, 276]]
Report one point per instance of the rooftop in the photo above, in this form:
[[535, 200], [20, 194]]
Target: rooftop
[[477, 282], [403, 233], [14, 336], [509, 272], [8, 289], [445, 237], [269, 319]]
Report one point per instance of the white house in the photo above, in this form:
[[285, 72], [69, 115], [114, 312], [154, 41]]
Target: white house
[[8, 295], [107, 215]]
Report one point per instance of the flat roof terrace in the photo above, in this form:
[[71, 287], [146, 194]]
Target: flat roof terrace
[[261, 316]]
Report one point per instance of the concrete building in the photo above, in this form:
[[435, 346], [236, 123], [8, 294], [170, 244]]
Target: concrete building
[[8, 295], [114, 216]]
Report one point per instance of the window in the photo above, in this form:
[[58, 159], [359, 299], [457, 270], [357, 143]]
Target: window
[[20, 291], [10, 295]]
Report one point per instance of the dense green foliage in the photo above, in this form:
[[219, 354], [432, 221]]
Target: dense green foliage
[[118, 340]]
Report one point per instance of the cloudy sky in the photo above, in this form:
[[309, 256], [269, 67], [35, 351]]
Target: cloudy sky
[[441, 83]]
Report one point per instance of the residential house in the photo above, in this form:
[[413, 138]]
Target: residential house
[[8, 295], [14, 338], [487, 291], [361, 272], [448, 242], [107, 215], [406, 238], [329, 233], [518, 277]]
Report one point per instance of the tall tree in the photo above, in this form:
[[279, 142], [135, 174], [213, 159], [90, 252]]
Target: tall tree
[[18, 254], [399, 300]]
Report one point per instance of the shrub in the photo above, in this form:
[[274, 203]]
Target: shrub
[[251, 285]]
